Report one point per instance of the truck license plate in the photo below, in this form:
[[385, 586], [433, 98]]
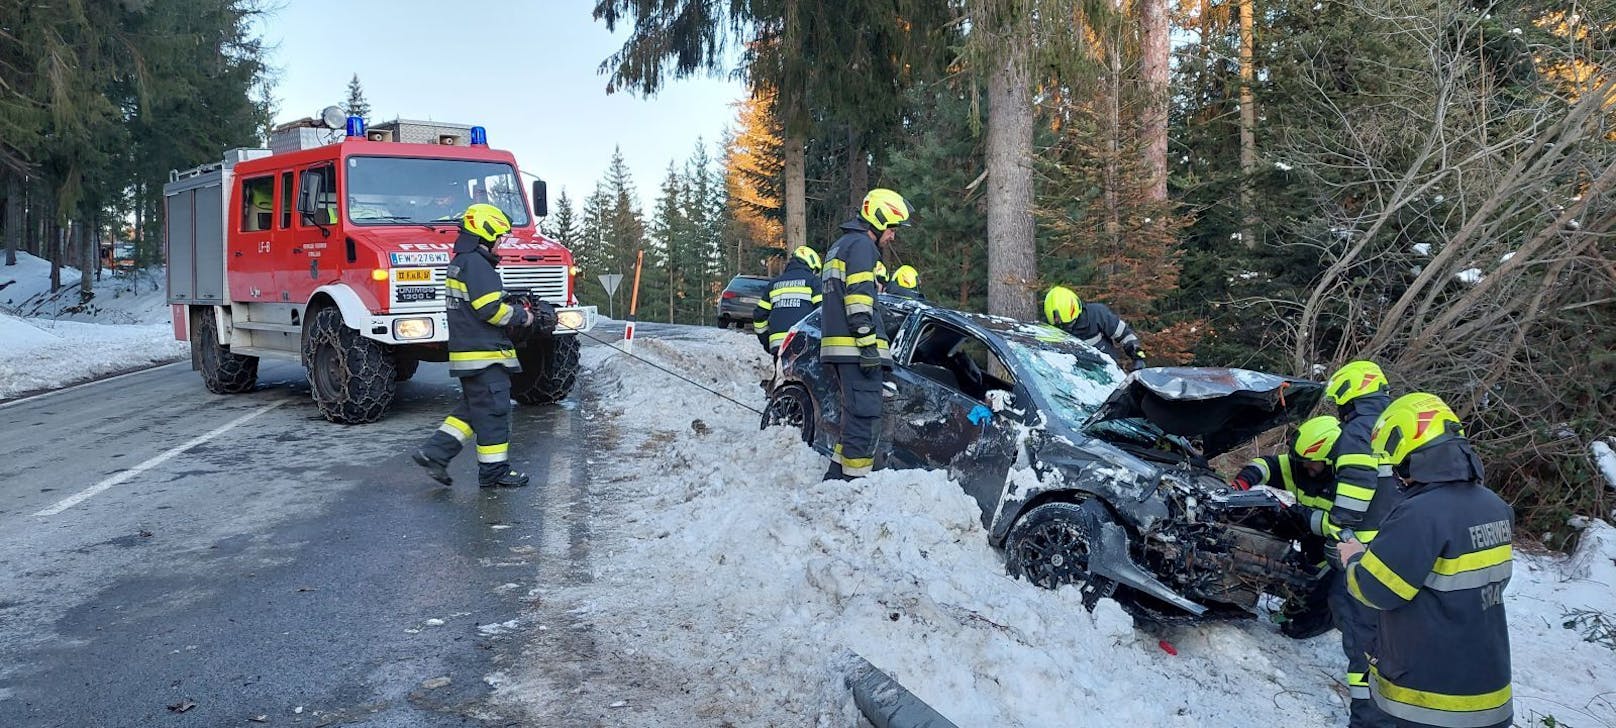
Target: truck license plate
[[409, 294], [414, 275], [408, 259]]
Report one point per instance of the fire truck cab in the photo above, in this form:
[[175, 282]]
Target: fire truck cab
[[330, 249]]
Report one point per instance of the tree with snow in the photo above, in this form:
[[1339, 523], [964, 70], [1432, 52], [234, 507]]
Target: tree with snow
[[356, 105]]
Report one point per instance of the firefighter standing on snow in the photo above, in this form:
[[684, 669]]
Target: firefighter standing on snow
[[1363, 497], [1305, 473], [855, 342], [1436, 577], [793, 295], [481, 355]]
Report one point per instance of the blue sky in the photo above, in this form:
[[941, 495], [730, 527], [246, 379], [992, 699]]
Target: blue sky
[[524, 70]]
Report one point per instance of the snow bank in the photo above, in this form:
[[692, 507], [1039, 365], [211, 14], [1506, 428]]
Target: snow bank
[[728, 564], [49, 340], [40, 354], [1604, 460]]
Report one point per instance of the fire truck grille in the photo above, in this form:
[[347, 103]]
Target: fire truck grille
[[548, 282]]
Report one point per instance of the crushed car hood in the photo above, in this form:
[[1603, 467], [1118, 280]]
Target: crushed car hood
[[1222, 408]]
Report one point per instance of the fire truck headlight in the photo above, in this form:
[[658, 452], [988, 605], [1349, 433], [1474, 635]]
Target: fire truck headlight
[[570, 320], [408, 329]]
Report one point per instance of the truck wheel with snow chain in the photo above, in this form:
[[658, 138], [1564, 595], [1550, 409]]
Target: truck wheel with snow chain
[[353, 378], [222, 371], [549, 369], [404, 368]]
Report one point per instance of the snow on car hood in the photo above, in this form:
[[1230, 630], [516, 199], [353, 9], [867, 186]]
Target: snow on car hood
[[1221, 407]]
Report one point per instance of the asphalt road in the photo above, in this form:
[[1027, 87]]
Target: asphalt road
[[163, 548]]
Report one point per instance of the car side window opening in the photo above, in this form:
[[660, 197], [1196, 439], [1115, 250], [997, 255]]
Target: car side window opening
[[960, 361], [257, 204]]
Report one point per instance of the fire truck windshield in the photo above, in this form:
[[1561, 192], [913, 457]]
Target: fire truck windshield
[[408, 190]]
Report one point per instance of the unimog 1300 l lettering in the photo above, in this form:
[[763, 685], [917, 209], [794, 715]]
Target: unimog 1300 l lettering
[[329, 248]]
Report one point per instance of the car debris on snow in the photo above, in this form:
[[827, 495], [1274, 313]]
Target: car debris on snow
[[437, 682], [182, 706]]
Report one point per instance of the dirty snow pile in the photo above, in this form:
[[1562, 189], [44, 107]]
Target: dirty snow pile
[[736, 584], [49, 340]]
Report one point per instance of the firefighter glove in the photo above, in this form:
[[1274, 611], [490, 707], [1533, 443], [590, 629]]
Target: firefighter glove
[[542, 317], [869, 357]]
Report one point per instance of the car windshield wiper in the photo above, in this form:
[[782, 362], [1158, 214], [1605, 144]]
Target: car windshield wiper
[[396, 218]]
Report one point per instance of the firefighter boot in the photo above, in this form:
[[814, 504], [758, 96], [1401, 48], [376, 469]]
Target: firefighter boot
[[508, 479], [437, 469], [835, 472]]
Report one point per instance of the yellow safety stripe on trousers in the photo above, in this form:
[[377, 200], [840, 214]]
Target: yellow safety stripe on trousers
[[1383, 574], [456, 428], [851, 466], [480, 359], [864, 277], [1440, 709], [455, 285], [776, 338], [1358, 685], [1473, 570], [486, 299], [493, 453]]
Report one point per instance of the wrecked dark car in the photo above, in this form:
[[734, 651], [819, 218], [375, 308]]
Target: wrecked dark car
[[1085, 476]]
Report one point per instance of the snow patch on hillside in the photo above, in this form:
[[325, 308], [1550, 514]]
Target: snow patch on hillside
[[728, 569], [49, 340]]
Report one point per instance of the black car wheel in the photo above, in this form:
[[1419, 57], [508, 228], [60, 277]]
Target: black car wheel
[[723, 322], [1049, 546], [791, 406]]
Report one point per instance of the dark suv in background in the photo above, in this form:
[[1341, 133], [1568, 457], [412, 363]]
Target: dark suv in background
[[740, 296]]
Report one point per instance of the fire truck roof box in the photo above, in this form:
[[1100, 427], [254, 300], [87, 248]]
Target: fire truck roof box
[[410, 131]]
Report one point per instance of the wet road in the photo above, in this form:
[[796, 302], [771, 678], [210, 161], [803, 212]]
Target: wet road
[[238, 557]]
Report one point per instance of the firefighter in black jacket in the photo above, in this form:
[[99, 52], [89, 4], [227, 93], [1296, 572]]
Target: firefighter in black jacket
[[481, 355], [1304, 472], [792, 296], [1436, 576], [854, 342], [1096, 324], [1363, 498]]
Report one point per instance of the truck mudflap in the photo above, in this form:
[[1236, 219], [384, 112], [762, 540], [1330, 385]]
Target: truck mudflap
[[1108, 557]]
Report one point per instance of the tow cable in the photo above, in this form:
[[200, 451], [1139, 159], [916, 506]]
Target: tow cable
[[674, 374]]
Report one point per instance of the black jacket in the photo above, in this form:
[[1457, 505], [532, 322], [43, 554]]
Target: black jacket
[[893, 289], [852, 315], [1313, 495], [794, 294], [477, 313], [1437, 573], [1358, 480], [1100, 327]]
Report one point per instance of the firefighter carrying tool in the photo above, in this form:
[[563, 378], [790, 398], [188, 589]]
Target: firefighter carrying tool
[[794, 294], [855, 342], [481, 355], [1436, 576]]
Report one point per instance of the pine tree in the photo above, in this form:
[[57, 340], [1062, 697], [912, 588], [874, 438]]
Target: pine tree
[[753, 179], [562, 224], [356, 105]]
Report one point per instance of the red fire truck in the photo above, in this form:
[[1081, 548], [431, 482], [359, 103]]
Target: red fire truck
[[329, 248]]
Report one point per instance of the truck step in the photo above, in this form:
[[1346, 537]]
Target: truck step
[[266, 326]]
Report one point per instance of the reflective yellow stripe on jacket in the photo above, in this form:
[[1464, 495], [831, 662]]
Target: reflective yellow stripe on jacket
[[1439, 709]]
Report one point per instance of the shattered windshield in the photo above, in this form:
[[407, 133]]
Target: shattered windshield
[[1075, 378], [407, 190]]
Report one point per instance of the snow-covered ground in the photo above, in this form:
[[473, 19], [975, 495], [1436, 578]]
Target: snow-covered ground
[[50, 340], [734, 584]]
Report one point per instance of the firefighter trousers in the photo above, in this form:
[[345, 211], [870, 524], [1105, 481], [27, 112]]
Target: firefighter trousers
[[1358, 624], [484, 414], [860, 391]]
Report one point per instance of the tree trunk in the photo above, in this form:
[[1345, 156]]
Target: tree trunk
[[795, 150], [1111, 140], [15, 219], [91, 263], [57, 233], [1155, 37], [858, 168], [1012, 253], [1248, 123]]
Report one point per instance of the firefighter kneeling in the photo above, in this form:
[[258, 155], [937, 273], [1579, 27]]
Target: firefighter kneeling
[[1436, 575], [481, 355]]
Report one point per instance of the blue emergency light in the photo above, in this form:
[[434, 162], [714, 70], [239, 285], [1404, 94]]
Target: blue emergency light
[[356, 126], [479, 136]]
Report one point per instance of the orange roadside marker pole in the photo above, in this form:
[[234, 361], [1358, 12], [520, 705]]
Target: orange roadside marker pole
[[634, 301]]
